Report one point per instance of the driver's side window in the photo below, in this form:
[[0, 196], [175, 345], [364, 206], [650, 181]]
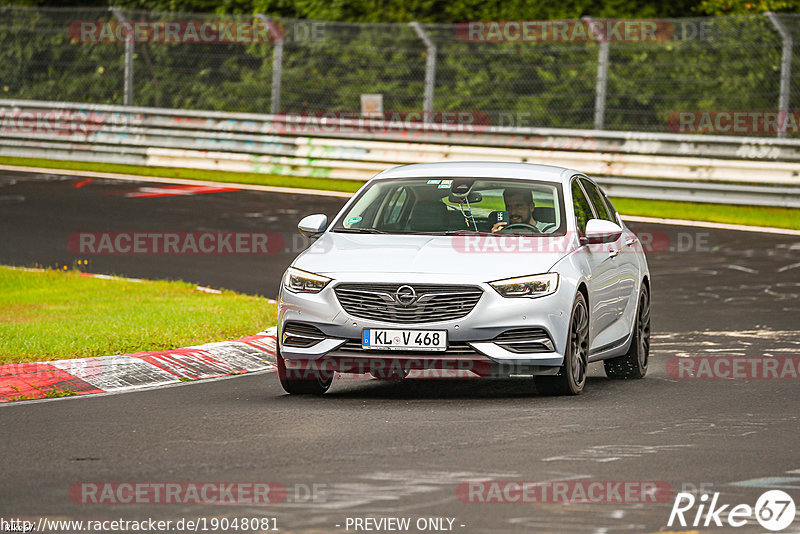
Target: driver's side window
[[583, 211]]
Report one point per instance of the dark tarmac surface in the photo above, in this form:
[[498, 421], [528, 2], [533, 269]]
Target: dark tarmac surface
[[386, 449]]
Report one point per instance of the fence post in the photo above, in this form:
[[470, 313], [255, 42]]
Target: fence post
[[430, 70], [602, 75], [277, 65], [602, 83], [786, 71], [127, 98]]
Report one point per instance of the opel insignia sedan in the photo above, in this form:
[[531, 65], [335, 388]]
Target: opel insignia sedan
[[477, 268]]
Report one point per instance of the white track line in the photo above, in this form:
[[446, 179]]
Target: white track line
[[718, 226], [178, 181]]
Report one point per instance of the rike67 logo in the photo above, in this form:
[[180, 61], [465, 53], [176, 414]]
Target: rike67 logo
[[774, 511]]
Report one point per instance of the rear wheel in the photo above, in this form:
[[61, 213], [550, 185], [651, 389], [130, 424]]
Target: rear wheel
[[571, 378], [303, 381], [633, 364]]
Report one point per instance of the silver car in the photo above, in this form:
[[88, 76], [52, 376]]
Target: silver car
[[476, 268]]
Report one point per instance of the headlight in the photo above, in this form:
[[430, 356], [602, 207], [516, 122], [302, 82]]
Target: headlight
[[534, 286], [298, 281]]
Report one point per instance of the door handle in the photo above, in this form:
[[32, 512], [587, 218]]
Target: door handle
[[630, 241], [613, 253]]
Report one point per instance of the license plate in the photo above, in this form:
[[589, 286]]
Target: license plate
[[423, 340]]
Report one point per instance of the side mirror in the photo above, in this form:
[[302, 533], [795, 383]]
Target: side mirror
[[602, 231], [313, 225]]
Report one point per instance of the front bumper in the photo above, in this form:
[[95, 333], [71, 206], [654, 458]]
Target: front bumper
[[473, 337]]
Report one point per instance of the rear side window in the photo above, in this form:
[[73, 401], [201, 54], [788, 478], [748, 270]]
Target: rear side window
[[394, 208], [596, 196], [583, 212], [610, 206]]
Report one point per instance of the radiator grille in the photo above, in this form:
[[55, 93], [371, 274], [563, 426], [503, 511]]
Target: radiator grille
[[380, 302]]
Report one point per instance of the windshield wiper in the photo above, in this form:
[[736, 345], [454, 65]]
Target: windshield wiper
[[465, 231], [448, 232], [359, 231]]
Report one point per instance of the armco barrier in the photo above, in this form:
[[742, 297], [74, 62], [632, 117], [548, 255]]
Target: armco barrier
[[702, 168]]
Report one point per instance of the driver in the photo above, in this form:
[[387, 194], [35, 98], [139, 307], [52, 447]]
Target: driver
[[520, 205]]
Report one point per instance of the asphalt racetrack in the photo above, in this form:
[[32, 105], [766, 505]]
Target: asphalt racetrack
[[425, 450]]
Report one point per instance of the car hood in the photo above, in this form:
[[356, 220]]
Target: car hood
[[473, 257]]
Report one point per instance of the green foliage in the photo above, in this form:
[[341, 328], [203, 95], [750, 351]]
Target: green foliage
[[40, 62], [747, 7], [445, 12], [726, 63]]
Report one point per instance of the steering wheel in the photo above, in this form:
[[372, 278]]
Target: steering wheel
[[519, 225]]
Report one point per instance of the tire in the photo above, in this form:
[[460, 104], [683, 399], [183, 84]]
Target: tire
[[571, 377], [312, 382], [633, 364]]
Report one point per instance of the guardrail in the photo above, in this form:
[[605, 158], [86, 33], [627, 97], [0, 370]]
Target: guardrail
[[734, 170]]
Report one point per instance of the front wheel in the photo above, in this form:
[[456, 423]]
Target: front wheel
[[633, 364], [571, 378], [303, 381]]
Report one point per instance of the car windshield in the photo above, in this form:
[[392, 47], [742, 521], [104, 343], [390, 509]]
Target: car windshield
[[442, 206]]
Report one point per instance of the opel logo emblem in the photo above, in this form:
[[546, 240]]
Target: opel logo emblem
[[405, 295]]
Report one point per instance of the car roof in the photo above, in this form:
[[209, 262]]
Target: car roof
[[480, 169]]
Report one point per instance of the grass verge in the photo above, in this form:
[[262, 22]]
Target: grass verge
[[723, 213], [55, 315], [277, 180]]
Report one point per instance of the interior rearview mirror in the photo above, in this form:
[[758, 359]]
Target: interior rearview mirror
[[472, 197]]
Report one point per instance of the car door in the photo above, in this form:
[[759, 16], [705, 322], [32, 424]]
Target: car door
[[617, 279], [599, 265]]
